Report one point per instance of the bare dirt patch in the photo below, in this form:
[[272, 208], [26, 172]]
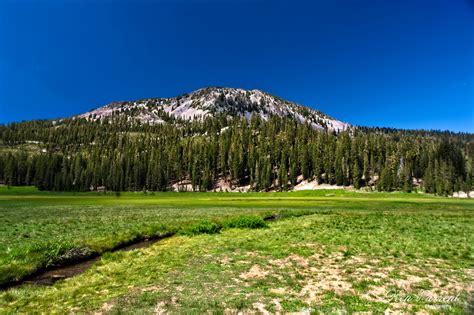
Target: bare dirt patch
[[225, 260], [291, 260], [261, 308], [368, 277], [279, 291], [256, 272], [160, 308]]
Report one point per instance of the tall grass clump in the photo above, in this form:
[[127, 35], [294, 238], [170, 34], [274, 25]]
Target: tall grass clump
[[202, 227], [245, 222]]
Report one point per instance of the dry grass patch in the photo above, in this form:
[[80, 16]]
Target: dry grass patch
[[369, 278], [256, 272]]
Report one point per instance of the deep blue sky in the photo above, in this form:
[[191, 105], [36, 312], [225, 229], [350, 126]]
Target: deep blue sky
[[404, 63]]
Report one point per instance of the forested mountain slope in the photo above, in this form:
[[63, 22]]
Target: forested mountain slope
[[264, 154]]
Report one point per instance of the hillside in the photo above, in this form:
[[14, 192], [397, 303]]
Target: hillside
[[230, 154], [212, 101]]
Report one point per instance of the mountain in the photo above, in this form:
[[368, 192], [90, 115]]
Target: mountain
[[212, 101], [107, 150]]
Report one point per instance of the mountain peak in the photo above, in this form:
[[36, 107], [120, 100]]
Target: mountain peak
[[210, 101]]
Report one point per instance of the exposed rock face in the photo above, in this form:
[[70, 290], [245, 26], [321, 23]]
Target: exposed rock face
[[213, 101]]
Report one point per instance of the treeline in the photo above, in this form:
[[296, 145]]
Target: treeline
[[120, 155]]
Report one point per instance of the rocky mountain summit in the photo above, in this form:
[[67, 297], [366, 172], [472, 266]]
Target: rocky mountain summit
[[214, 101]]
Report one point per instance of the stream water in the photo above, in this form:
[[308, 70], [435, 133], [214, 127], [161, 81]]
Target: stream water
[[50, 276]]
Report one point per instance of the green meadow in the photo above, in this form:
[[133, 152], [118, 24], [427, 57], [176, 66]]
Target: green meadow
[[323, 252]]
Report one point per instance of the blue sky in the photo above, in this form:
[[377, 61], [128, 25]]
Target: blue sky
[[405, 64]]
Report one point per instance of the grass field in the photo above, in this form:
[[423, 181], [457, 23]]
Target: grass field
[[328, 252]]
